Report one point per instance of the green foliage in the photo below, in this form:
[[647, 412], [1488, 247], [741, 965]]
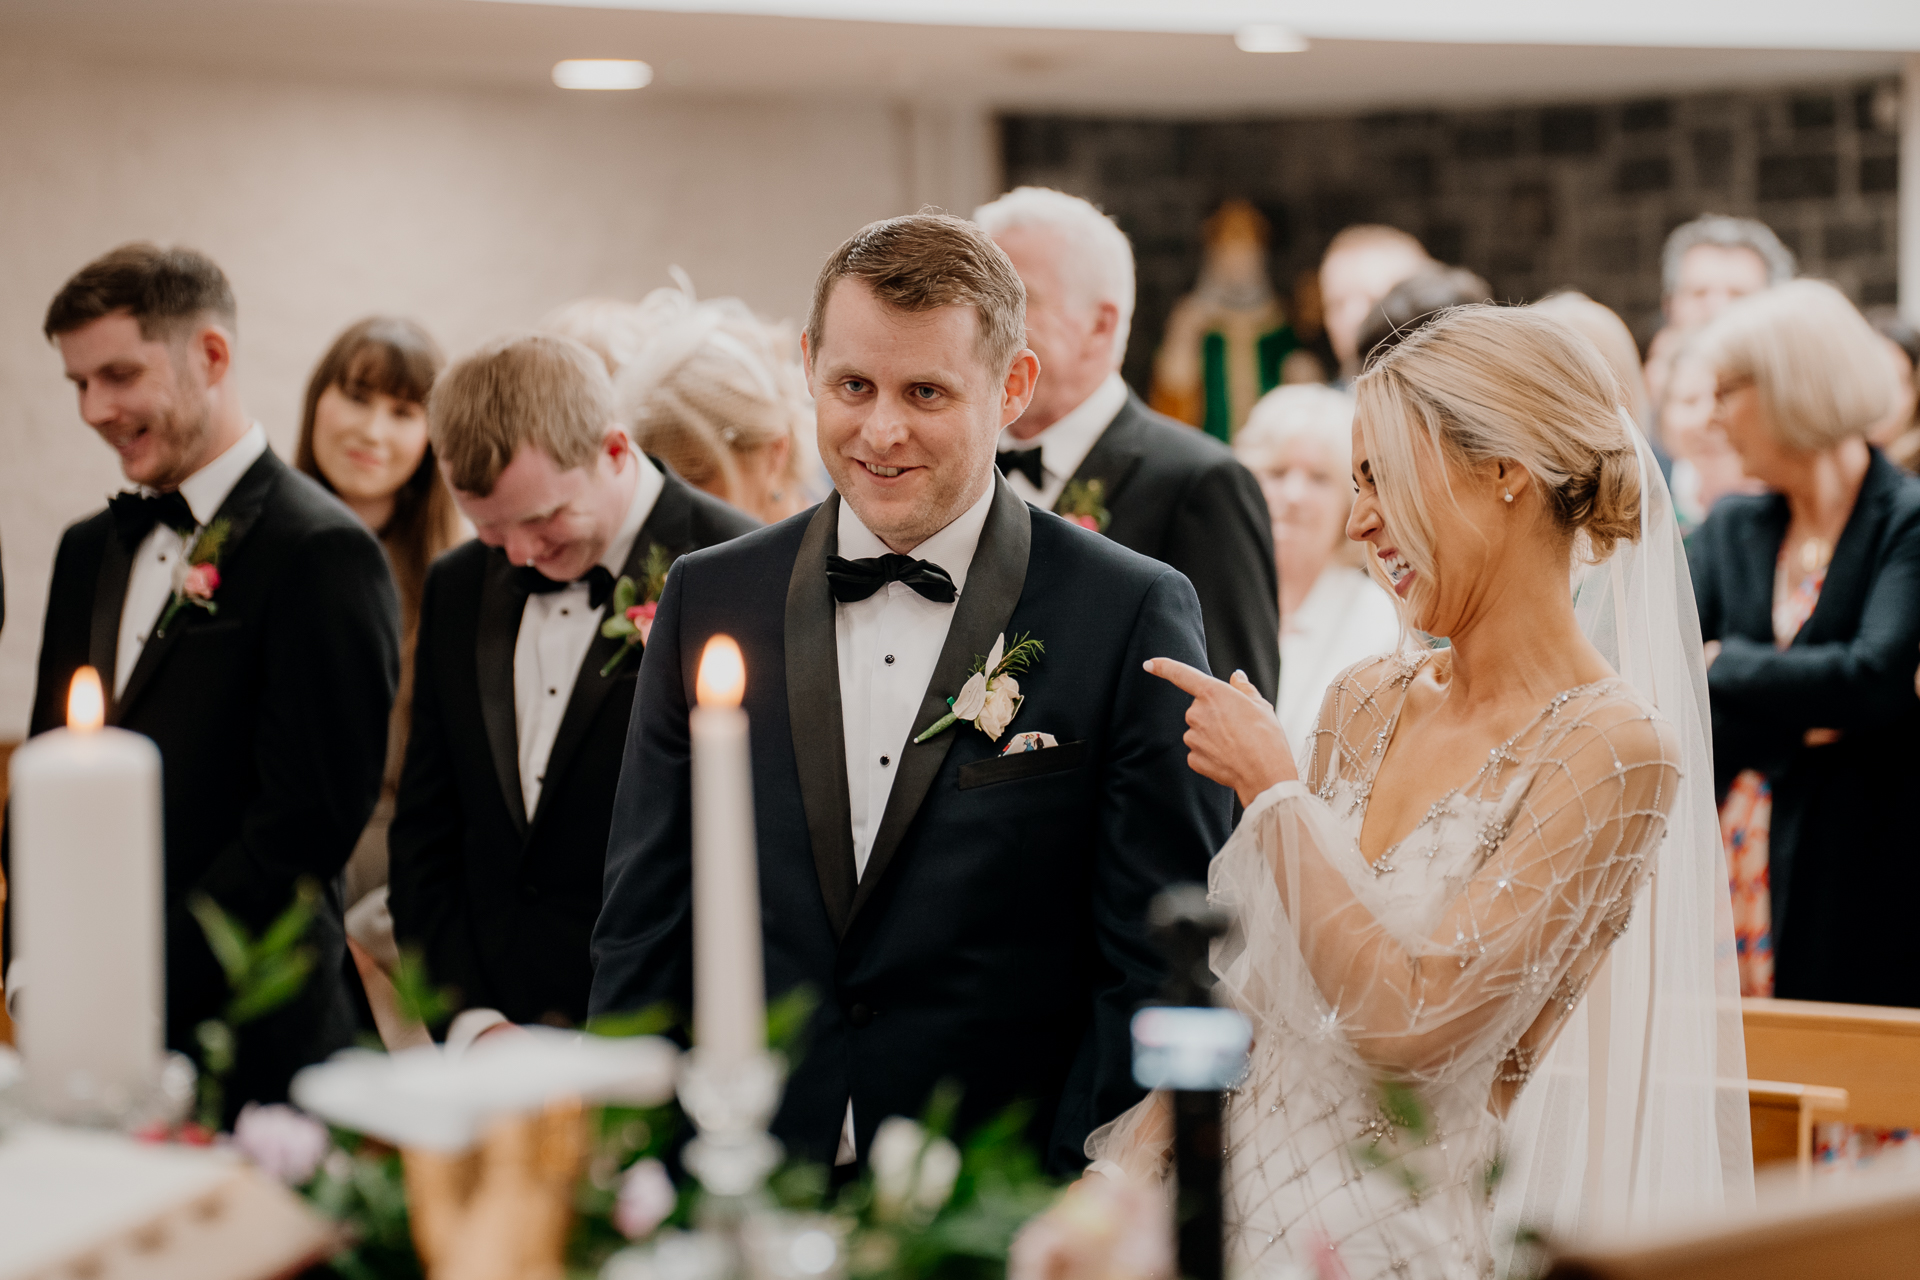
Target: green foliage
[[619, 1138], [654, 1020], [362, 1186], [415, 995], [788, 1018], [261, 977], [211, 542]]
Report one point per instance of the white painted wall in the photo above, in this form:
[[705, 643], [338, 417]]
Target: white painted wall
[[475, 210]]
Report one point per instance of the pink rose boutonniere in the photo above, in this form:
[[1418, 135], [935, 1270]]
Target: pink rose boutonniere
[[631, 618], [199, 575], [1085, 503]]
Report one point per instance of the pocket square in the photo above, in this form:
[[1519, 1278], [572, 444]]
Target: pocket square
[[1029, 742]]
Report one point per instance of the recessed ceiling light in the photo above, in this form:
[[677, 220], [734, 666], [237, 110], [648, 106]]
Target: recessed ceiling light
[[1268, 37], [602, 73]]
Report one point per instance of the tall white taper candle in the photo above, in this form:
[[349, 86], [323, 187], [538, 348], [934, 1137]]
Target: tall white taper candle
[[87, 909], [729, 989]]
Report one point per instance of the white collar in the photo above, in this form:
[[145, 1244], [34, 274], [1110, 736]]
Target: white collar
[[1066, 444], [206, 489], [952, 548], [645, 493]]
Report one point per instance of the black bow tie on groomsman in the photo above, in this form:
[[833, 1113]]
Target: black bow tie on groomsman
[[135, 515], [1026, 462], [853, 580], [599, 582]]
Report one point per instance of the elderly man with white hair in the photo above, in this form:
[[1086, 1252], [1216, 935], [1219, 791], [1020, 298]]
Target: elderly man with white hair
[[1090, 450]]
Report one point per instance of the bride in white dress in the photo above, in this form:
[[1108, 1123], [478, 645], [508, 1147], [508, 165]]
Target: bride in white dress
[[1477, 926]]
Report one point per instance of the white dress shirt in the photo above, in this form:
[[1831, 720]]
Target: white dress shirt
[[556, 630], [889, 644], [160, 563], [1066, 444]]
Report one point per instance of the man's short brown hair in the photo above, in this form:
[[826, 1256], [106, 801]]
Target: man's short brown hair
[[540, 389], [924, 261], [165, 290]]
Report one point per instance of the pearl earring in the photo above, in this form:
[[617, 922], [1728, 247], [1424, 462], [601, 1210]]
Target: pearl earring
[[1509, 495]]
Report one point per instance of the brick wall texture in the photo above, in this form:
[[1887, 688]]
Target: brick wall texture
[[1535, 199]]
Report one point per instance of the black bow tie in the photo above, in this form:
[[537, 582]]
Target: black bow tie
[[853, 580], [1026, 462], [535, 583], [135, 514]]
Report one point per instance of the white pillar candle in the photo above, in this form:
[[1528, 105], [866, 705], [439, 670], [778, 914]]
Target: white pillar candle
[[87, 911], [729, 990]]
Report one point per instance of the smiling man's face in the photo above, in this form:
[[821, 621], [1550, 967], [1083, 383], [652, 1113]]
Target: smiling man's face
[[146, 397], [908, 411]]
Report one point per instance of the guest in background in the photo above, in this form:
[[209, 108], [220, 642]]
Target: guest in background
[[1600, 325], [363, 436], [1809, 599], [1705, 265], [611, 328], [1299, 443], [1705, 467], [1413, 302], [1088, 449], [1899, 434], [1361, 266], [520, 701], [712, 392], [271, 715]]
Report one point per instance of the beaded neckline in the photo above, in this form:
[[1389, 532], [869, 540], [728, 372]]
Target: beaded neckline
[[1491, 835]]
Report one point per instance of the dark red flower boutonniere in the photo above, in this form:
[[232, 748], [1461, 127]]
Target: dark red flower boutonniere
[[632, 616], [1085, 503], [199, 575]]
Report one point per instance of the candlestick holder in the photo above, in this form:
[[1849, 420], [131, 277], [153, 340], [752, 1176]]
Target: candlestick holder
[[163, 1099], [731, 1100]]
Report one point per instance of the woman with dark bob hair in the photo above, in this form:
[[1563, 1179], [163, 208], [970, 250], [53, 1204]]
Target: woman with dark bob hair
[[363, 435], [1809, 600]]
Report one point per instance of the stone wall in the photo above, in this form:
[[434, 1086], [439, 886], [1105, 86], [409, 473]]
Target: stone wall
[[1535, 199]]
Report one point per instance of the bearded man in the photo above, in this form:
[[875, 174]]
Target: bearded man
[[963, 887]]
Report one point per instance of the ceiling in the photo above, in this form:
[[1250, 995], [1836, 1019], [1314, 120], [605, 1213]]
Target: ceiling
[[696, 52]]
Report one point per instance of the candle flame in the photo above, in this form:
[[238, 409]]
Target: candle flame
[[723, 674], [86, 704]]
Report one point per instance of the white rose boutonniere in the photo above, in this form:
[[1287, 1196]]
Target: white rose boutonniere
[[991, 696]]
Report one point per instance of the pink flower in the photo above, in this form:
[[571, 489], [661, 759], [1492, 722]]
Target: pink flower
[[641, 616], [1101, 1229], [1087, 522], [285, 1143], [201, 582], [646, 1198]]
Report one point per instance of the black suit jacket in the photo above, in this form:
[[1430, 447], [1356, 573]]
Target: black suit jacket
[[1845, 864], [503, 902], [1178, 496], [271, 719], [997, 937]]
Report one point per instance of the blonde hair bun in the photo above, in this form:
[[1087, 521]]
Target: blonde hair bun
[[1484, 384]]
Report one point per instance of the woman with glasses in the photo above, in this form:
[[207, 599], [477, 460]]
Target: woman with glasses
[[1809, 600]]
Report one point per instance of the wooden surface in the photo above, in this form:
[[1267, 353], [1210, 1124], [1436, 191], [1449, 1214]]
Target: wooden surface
[[1860, 1230], [1783, 1116], [1871, 1052]]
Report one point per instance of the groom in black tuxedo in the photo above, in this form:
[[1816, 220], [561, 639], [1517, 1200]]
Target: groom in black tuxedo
[[267, 688], [967, 904], [520, 703]]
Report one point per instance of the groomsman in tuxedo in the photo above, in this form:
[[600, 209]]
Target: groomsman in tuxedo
[[520, 708], [240, 617], [967, 902], [1088, 448]]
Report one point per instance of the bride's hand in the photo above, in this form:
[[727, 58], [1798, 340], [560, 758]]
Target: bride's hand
[[1232, 734]]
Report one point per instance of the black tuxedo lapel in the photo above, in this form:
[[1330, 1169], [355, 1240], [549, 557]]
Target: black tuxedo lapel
[[109, 601], [1112, 459], [501, 604], [813, 706], [241, 509], [994, 582], [669, 526]]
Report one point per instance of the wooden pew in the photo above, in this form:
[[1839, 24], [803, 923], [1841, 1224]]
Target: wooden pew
[[1783, 1116], [1859, 1229], [1871, 1052]]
